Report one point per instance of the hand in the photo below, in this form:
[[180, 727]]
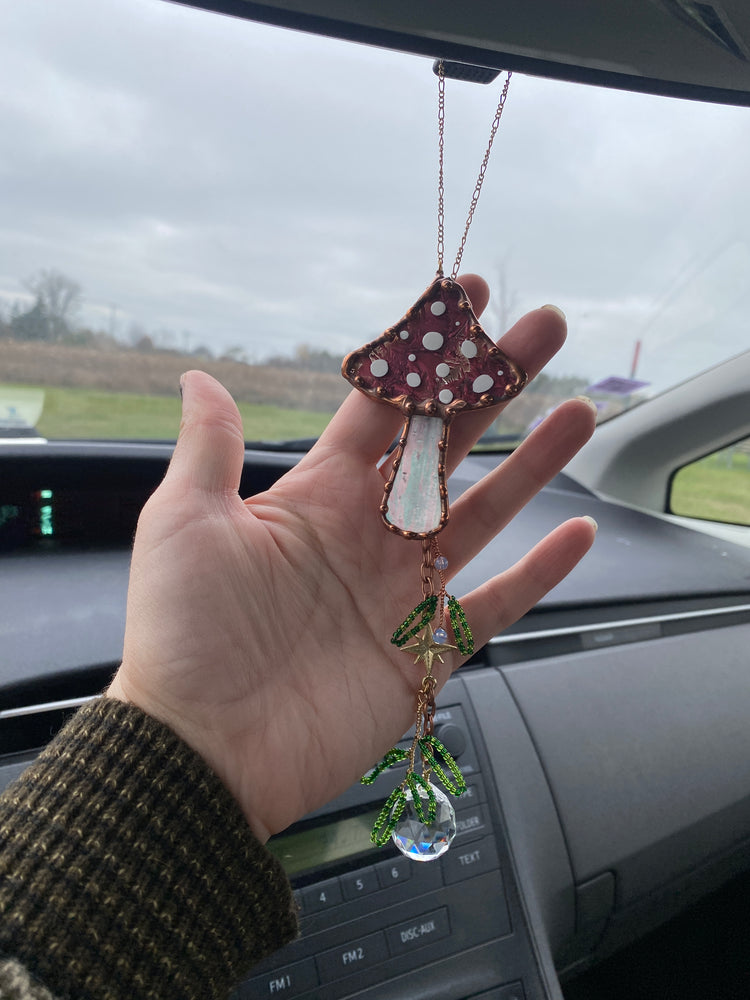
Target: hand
[[260, 630]]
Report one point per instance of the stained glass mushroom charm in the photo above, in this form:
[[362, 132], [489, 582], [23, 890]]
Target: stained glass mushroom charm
[[435, 363]]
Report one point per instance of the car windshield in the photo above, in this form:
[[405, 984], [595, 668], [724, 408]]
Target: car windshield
[[180, 189]]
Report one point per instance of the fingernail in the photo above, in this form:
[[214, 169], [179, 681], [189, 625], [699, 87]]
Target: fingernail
[[556, 309], [182, 377], [590, 402], [591, 521]]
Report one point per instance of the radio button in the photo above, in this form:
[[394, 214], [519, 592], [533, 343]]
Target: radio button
[[348, 959], [474, 792], [287, 981], [418, 932], [513, 991], [394, 872], [360, 883], [466, 862], [452, 737], [321, 896], [471, 823]]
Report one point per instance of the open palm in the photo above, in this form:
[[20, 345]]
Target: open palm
[[259, 630]]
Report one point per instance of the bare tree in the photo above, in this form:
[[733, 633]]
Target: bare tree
[[505, 298], [57, 299]]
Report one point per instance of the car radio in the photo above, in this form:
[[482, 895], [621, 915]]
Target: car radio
[[379, 925]]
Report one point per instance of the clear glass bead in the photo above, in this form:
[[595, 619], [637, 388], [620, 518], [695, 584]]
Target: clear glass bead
[[440, 635], [422, 841], [441, 563]]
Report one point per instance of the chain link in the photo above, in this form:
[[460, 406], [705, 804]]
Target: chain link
[[426, 570], [480, 176], [426, 706], [441, 153]]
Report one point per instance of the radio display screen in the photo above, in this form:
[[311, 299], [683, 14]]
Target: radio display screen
[[318, 846]]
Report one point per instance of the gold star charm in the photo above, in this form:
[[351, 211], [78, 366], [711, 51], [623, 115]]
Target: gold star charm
[[427, 649]]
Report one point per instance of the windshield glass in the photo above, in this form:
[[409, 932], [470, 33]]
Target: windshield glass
[[181, 189]]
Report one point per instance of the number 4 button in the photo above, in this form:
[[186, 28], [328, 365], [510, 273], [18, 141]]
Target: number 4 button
[[321, 896]]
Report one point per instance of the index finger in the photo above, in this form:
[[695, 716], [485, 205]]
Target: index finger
[[531, 343]]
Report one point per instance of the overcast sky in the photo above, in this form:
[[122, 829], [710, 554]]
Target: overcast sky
[[240, 185]]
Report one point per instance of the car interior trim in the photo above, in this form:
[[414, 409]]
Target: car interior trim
[[47, 706], [612, 626]]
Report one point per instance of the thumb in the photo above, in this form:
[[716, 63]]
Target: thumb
[[211, 447]]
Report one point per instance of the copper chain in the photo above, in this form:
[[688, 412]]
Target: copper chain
[[480, 176], [426, 571], [426, 705], [441, 154]]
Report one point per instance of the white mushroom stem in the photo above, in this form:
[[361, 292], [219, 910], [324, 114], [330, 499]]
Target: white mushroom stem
[[414, 502]]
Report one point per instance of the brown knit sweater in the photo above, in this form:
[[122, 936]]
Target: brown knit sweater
[[128, 872]]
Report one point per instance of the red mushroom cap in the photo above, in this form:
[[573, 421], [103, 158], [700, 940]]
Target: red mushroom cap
[[437, 360]]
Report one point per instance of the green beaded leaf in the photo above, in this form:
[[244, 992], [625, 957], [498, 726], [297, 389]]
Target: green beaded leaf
[[437, 759], [415, 782], [461, 630], [425, 610], [388, 817], [394, 756]]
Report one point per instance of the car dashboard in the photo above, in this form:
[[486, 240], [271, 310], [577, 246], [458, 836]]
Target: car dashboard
[[603, 736]]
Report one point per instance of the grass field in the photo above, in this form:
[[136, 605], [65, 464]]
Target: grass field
[[87, 413], [716, 488]]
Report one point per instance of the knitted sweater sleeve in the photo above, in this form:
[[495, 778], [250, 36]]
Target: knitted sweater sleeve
[[128, 872]]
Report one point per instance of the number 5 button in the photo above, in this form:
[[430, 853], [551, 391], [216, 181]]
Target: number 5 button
[[360, 883]]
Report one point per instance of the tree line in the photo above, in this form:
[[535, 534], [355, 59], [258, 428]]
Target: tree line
[[56, 301], [48, 314]]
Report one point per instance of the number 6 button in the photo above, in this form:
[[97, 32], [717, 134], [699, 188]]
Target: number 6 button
[[393, 872]]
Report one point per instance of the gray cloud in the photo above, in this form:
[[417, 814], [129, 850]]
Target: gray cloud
[[265, 188]]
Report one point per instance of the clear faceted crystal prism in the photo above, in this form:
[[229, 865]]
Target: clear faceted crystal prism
[[422, 841]]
